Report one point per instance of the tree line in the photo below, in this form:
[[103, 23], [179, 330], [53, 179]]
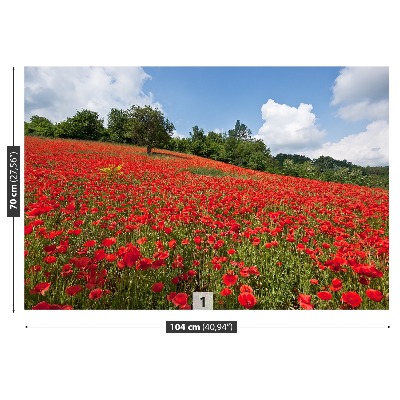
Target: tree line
[[146, 126]]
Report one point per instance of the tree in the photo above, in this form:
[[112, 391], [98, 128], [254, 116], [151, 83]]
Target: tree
[[198, 144], [240, 132], [84, 125], [148, 127], [39, 126], [118, 125], [197, 134]]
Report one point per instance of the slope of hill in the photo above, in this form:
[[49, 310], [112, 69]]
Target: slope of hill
[[109, 227]]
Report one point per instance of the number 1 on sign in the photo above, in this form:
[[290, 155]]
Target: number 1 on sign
[[203, 300]]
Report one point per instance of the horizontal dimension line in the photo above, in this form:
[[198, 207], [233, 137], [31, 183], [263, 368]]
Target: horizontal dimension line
[[314, 327], [240, 327], [95, 327]]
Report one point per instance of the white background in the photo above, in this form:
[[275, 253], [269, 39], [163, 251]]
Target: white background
[[125, 354]]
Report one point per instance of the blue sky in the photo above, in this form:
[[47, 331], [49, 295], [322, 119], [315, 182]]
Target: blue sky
[[337, 111], [215, 97]]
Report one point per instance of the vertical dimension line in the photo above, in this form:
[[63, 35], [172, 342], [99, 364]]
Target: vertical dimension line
[[13, 248], [13, 105], [13, 270]]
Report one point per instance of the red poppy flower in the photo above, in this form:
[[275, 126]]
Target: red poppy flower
[[351, 298], [211, 239], [184, 277], [172, 243], [218, 244], [247, 300], [161, 255], [171, 296], [180, 299], [96, 294], [156, 264], [36, 268], [50, 259], [50, 248], [144, 264], [185, 307], [336, 285], [81, 262], [246, 289], [175, 280], [185, 241], [157, 287], [231, 251], [141, 240], [167, 230], [192, 272], [229, 278], [73, 290], [306, 306], [111, 257], [197, 240], [255, 241], [314, 281], [66, 270], [43, 305], [90, 243], [226, 291], [41, 288], [131, 257], [53, 234], [109, 241], [254, 270], [76, 231], [99, 255], [304, 298], [375, 295], [324, 295], [28, 229]]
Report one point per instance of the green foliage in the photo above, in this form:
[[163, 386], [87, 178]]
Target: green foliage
[[84, 125], [240, 132], [328, 169], [148, 127], [296, 158], [39, 126], [207, 171], [117, 126]]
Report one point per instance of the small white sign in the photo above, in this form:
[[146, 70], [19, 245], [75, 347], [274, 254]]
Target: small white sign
[[203, 300]]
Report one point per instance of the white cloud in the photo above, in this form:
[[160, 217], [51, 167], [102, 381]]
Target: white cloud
[[178, 135], [293, 130], [362, 93], [365, 110], [370, 147], [59, 92], [289, 129]]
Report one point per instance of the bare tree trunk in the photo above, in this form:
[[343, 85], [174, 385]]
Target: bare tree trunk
[[149, 149]]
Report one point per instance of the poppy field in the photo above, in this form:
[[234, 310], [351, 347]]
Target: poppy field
[[110, 227]]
